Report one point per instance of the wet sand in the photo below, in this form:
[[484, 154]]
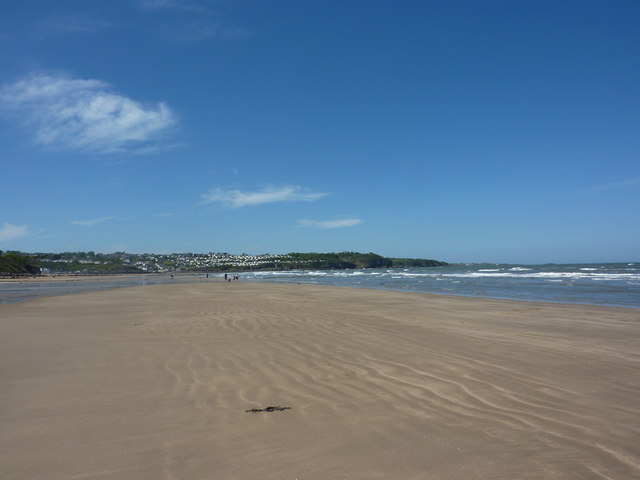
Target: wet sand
[[155, 382], [81, 278]]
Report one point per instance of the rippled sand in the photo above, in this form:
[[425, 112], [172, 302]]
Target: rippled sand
[[155, 383]]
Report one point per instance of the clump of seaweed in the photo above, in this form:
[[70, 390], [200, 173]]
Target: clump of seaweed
[[276, 408]]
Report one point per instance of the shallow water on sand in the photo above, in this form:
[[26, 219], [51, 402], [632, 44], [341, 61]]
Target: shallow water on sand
[[615, 284]]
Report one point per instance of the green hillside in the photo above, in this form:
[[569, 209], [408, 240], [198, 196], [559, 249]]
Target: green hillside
[[14, 263]]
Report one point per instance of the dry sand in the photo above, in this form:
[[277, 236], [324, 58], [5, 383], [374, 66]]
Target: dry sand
[[154, 383]]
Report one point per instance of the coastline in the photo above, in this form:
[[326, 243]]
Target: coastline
[[15, 290], [155, 382], [67, 277]]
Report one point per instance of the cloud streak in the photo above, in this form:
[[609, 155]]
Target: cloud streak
[[96, 221], [189, 6], [65, 113], [191, 21], [239, 199], [9, 232], [64, 24], [616, 185], [330, 224]]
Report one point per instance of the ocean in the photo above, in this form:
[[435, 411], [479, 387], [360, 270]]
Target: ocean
[[613, 284]]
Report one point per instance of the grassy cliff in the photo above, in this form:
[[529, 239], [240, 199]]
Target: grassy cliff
[[14, 263]]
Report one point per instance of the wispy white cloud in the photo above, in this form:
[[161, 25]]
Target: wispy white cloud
[[157, 4], [191, 20], [238, 198], [616, 185], [194, 30], [63, 24], [85, 115], [96, 221], [158, 147], [330, 224], [189, 6], [9, 232], [202, 29]]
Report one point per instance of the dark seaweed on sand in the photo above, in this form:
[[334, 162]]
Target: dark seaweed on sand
[[276, 408]]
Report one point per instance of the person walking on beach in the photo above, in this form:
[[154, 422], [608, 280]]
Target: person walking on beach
[[225, 277]]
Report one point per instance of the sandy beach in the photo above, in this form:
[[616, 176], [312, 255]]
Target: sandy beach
[[155, 382]]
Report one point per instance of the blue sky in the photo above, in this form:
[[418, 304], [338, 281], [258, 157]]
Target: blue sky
[[464, 131]]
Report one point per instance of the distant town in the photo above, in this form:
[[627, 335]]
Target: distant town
[[155, 263], [121, 262]]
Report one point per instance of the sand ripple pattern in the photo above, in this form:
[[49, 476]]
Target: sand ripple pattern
[[381, 385]]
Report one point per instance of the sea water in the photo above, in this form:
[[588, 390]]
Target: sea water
[[615, 284], [594, 284]]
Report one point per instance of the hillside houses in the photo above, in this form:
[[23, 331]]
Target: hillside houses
[[83, 262]]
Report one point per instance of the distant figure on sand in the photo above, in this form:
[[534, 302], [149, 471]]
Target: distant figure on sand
[[225, 277]]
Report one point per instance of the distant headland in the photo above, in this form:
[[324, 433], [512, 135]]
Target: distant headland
[[20, 263]]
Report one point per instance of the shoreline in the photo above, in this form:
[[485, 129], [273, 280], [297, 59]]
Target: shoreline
[[213, 277], [79, 278], [598, 284], [273, 381]]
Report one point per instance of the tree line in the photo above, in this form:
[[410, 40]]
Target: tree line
[[89, 262]]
